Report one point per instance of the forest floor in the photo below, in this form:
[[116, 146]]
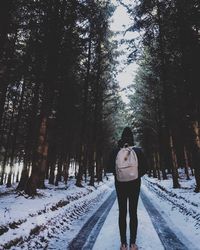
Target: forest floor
[[86, 218]]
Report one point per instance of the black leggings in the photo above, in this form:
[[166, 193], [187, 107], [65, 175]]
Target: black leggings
[[128, 191]]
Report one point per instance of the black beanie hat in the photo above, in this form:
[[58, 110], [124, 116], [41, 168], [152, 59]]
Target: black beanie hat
[[127, 137]]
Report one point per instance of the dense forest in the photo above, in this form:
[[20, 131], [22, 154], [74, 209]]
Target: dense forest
[[165, 103], [59, 99], [58, 93]]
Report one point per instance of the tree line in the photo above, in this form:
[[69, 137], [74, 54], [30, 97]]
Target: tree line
[[58, 94], [165, 103]]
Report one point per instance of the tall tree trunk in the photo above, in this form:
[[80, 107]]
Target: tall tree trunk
[[186, 163], [154, 166], [158, 164], [97, 108], [66, 169], [82, 156], [30, 140], [39, 166], [174, 165], [3, 90], [59, 171], [161, 146], [7, 146], [14, 137], [24, 177], [52, 164], [91, 183], [42, 152], [5, 20]]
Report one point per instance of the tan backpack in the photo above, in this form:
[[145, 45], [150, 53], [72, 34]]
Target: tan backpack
[[126, 164]]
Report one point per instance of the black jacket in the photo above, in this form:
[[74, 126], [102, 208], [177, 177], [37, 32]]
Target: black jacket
[[142, 162]]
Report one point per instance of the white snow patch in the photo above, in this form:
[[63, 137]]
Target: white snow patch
[[179, 207], [54, 210]]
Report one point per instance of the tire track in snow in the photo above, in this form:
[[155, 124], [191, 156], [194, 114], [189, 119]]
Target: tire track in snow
[[86, 237], [166, 235], [186, 207]]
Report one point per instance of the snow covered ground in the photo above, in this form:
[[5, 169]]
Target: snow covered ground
[[38, 223], [180, 207], [55, 217]]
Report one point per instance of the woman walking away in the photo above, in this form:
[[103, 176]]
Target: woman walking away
[[128, 165]]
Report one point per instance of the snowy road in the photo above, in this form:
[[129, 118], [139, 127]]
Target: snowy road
[[101, 230], [89, 232], [147, 239], [165, 233], [87, 218]]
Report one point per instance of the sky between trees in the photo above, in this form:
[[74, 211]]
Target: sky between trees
[[120, 22]]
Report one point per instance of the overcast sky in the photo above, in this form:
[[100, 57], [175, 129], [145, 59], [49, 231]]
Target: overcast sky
[[120, 22]]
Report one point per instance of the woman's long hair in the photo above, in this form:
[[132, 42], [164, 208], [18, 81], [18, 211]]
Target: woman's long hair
[[126, 138]]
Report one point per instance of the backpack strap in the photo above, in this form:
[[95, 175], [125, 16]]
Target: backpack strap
[[129, 150]]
